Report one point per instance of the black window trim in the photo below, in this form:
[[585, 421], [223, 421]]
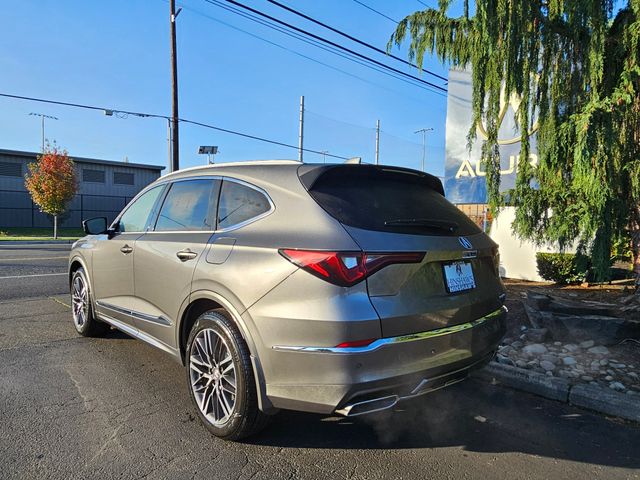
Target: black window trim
[[133, 178], [222, 178], [19, 164], [104, 172]]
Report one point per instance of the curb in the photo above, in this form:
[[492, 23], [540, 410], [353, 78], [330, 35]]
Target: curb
[[596, 398], [35, 242], [606, 401], [532, 382]]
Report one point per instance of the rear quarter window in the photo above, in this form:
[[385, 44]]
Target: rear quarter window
[[240, 203]]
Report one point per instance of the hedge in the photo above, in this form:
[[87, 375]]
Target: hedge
[[563, 268]]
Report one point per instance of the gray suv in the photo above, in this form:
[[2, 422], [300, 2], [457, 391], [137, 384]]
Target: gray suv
[[336, 289]]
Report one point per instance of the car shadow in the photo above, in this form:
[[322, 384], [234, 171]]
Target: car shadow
[[476, 416]]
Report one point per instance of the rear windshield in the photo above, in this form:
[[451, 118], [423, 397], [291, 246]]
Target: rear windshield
[[373, 198]]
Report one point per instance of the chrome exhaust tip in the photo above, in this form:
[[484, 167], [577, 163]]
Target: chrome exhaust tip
[[368, 406]]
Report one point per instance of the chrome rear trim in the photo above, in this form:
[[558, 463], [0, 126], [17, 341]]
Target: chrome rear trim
[[394, 340]]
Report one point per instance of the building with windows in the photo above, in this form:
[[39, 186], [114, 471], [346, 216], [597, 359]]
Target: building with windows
[[105, 187]]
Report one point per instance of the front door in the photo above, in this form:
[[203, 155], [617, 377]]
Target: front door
[[165, 257], [113, 284]]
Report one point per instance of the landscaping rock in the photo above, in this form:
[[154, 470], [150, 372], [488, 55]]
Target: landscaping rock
[[504, 359], [570, 347], [547, 366], [617, 386], [569, 361], [537, 335], [549, 358], [582, 321], [599, 350], [587, 344], [535, 349]]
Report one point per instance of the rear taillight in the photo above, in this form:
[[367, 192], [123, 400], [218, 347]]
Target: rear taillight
[[346, 268]]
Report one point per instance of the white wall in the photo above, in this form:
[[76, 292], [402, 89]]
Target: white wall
[[517, 257]]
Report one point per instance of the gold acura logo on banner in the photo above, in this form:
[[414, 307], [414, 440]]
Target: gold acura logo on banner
[[466, 168], [514, 102]]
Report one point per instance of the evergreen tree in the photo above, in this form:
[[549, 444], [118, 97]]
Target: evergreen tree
[[576, 66]]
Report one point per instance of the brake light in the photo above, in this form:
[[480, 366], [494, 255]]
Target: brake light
[[345, 269], [357, 343]]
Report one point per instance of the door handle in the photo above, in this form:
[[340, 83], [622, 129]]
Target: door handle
[[186, 254], [126, 249]]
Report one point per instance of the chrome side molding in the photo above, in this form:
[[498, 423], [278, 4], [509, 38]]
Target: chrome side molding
[[138, 315]]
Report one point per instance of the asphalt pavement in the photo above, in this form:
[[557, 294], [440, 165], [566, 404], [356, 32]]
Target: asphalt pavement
[[72, 407]]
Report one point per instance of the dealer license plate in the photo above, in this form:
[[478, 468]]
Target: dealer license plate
[[458, 277]]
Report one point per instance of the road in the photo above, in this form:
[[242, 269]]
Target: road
[[73, 407]]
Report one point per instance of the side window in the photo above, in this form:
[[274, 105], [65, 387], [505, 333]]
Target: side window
[[189, 205], [239, 203], [134, 219]]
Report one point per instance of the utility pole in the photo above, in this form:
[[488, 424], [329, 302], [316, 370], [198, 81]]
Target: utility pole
[[378, 142], [424, 143], [175, 144], [301, 133], [42, 116]]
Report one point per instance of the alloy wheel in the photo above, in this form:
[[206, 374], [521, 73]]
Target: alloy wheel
[[213, 376], [79, 301]]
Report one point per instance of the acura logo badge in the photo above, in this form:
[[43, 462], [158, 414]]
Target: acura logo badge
[[465, 242]]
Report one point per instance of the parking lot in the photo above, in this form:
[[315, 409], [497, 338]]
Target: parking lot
[[73, 407]]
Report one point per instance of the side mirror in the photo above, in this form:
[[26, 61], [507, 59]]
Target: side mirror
[[95, 226]]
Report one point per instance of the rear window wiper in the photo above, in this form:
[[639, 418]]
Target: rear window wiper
[[423, 222]]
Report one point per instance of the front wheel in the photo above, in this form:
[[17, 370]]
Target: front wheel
[[82, 309], [221, 380]]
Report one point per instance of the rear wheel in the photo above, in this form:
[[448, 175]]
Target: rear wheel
[[82, 309], [221, 380]]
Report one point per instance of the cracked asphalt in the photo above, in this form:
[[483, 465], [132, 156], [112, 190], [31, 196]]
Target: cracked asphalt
[[72, 407]]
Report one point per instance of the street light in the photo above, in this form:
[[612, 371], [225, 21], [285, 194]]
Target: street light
[[43, 116], [424, 143], [209, 151]]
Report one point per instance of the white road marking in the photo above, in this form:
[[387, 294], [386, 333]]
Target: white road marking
[[31, 276], [33, 258]]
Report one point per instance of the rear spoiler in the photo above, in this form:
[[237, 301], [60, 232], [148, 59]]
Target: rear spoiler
[[310, 174]]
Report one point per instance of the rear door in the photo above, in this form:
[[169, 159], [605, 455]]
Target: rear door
[[166, 257], [398, 210]]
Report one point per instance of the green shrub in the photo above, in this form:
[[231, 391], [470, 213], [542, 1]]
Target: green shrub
[[563, 268]]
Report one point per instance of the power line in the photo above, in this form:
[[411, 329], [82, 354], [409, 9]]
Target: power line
[[329, 42], [352, 38], [315, 43], [311, 41], [375, 11], [166, 117], [306, 57]]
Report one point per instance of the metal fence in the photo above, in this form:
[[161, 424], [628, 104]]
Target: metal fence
[[18, 210]]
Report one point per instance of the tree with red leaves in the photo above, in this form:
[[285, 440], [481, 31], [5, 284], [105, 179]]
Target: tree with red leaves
[[52, 182]]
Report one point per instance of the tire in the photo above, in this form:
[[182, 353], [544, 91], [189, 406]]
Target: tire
[[82, 307], [216, 358]]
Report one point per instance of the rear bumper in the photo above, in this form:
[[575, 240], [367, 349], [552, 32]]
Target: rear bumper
[[352, 381]]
